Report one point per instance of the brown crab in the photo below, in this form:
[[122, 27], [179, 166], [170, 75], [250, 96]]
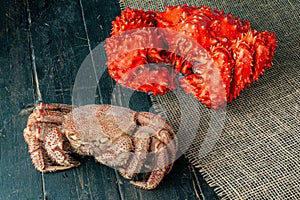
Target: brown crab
[[114, 136]]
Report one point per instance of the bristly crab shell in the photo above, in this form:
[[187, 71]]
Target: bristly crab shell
[[240, 53], [132, 142]]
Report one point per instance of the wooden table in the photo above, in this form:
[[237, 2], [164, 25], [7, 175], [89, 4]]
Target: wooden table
[[55, 36]]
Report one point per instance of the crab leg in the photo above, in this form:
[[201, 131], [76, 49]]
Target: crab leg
[[37, 153], [170, 148], [154, 136], [45, 139], [49, 116], [164, 134], [48, 113], [141, 143], [114, 153], [42, 161], [57, 107], [153, 120], [54, 144], [157, 173]]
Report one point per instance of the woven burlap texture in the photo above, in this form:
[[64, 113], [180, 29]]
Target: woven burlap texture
[[256, 154]]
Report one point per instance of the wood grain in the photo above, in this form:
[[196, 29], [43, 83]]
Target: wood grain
[[56, 36]]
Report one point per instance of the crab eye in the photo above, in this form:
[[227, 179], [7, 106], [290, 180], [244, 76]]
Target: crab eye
[[103, 140], [72, 136]]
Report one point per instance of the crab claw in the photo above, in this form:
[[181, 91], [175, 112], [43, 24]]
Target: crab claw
[[46, 142]]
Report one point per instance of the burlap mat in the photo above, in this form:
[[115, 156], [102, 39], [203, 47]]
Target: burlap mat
[[256, 156]]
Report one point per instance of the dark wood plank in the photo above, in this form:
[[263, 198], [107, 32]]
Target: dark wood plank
[[203, 189], [17, 179], [62, 33], [176, 185], [60, 45]]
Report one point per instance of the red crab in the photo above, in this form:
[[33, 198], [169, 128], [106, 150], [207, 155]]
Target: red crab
[[213, 55]]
